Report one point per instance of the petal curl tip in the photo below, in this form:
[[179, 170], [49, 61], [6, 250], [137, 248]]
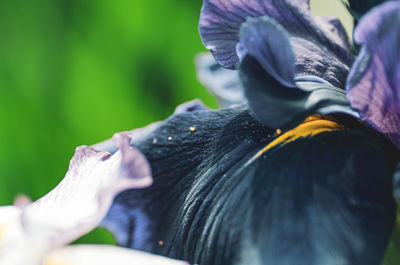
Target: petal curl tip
[[373, 84], [134, 165]]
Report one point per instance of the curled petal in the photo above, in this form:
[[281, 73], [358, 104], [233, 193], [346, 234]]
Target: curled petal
[[223, 83], [318, 54], [105, 255], [83, 197], [275, 54], [373, 84]]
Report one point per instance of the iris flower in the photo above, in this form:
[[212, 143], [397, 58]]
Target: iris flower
[[301, 166], [304, 171]]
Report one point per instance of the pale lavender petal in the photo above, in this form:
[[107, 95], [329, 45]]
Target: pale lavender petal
[[223, 83], [17, 246], [317, 53], [105, 255], [83, 197], [374, 81]]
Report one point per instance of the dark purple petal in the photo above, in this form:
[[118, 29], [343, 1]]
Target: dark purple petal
[[211, 203], [374, 81], [223, 83], [317, 53], [279, 106], [275, 54]]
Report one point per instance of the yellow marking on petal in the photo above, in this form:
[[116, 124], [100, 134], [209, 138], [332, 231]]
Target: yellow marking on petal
[[56, 261], [312, 125], [192, 129]]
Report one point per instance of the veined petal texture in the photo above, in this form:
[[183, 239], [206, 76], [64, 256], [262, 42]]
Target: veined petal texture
[[373, 84]]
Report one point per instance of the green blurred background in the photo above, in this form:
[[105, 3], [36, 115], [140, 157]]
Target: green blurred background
[[74, 72]]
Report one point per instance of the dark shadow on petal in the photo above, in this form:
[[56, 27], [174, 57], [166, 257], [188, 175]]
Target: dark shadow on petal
[[176, 149], [268, 42], [358, 8], [278, 106]]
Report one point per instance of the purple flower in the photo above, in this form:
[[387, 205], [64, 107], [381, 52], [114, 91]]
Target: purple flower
[[301, 166]]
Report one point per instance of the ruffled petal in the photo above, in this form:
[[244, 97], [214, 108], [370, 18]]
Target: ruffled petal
[[105, 255], [317, 54], [224, 84], [76, 205], [83, 197], [374, 82]]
